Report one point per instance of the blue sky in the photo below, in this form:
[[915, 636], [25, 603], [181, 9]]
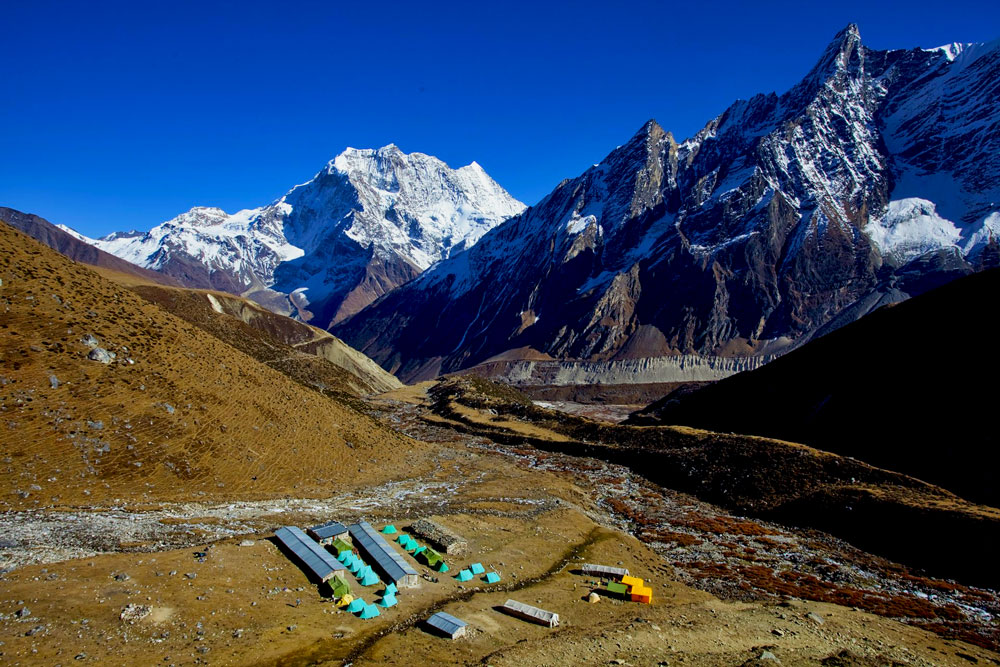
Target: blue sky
[[122, 115]]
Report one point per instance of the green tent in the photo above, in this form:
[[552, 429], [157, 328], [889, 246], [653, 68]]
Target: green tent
[[370, 611], [491, 578], [431, 557], [464, 575], [340, 547], [339, 586], [389, 530], [356, 605], [477, 568], [618, 588]]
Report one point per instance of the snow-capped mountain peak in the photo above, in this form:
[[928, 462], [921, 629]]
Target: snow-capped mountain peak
[[370, 220]]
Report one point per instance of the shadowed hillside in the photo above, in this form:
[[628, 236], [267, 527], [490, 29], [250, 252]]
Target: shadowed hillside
[[906, 388]]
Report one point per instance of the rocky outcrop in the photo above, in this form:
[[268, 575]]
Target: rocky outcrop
[[783, 215]]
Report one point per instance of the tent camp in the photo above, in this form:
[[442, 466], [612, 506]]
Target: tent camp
[[339, 546], [392, 566]]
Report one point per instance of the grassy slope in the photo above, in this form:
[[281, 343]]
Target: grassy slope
[[191, 416]]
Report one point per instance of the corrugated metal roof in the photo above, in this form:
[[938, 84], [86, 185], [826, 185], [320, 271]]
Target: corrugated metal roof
[[445, 622], [387, 558], [325, 530], [317, 559]]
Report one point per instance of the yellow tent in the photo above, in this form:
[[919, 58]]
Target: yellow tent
[[346, 600]]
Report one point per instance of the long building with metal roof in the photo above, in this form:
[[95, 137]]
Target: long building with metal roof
[[529, 613], [383, 557], [447, 624], [605, 571], [316, 560]]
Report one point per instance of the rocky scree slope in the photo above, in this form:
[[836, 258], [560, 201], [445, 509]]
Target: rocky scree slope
[[370, 221], [874, 178]]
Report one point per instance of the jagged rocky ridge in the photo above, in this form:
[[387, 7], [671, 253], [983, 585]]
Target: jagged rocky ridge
[[875, 178], [370, 221]]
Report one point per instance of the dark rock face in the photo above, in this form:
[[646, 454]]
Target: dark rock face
[[777, 219]]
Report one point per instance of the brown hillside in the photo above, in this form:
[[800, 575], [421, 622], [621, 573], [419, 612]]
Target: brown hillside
[[176, 414], [304, 353], [42, 230]]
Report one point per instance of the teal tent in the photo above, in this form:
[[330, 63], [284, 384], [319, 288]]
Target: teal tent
[[444, 567], [370, 579], [357, 604], [389, 530], [355, 565], [477, 568], [370, 611], [464, 575], [391, 589], [345, 557], [404, 539], [388, 601], [419, 550], [491, 577]]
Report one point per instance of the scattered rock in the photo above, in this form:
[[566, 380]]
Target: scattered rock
[[53, 382], [120, 576], [134, 612], [593, 597], [767, 655], [815, 618], [247, 543], [35, 630], [778, 633], [90, 340], [191, 575], [23, 612], [101, 355]]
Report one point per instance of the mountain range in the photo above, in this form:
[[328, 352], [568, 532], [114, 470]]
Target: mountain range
[[873, 179], [370, 221]]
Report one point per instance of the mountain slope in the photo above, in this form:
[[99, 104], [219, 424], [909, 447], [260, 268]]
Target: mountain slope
[[174, 413], [880, 390], [784, 215], [76, 247], [370, 221]]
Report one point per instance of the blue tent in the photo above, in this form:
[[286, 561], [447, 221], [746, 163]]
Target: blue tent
[[464, 575], [357, 604], [388, 601], [477, 568], [491, 577], [370, 611]]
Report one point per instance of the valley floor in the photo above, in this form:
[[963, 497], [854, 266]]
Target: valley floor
[[727, 590]]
